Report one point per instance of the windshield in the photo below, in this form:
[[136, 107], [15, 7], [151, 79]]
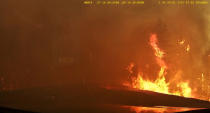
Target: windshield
[[99, 55]]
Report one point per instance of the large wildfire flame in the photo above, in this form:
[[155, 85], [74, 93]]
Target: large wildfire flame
[[160, 84]]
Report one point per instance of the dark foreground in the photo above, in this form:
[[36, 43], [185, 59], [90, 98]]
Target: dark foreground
[[91, 99]]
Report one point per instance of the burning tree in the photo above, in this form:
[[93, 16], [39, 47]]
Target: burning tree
[[182, 88]]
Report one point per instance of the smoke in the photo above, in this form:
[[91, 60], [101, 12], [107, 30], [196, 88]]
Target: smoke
[[62, 42]]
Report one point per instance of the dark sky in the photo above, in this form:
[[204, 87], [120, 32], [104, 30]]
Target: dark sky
[[51, 42]]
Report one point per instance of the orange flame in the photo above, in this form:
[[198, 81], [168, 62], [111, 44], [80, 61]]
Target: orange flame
[[159, 85], [188, 48]]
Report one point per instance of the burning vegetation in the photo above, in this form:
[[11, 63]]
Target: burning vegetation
[[160, 84]]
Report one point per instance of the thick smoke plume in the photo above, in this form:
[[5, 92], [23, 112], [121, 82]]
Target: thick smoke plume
[[55, 42]]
